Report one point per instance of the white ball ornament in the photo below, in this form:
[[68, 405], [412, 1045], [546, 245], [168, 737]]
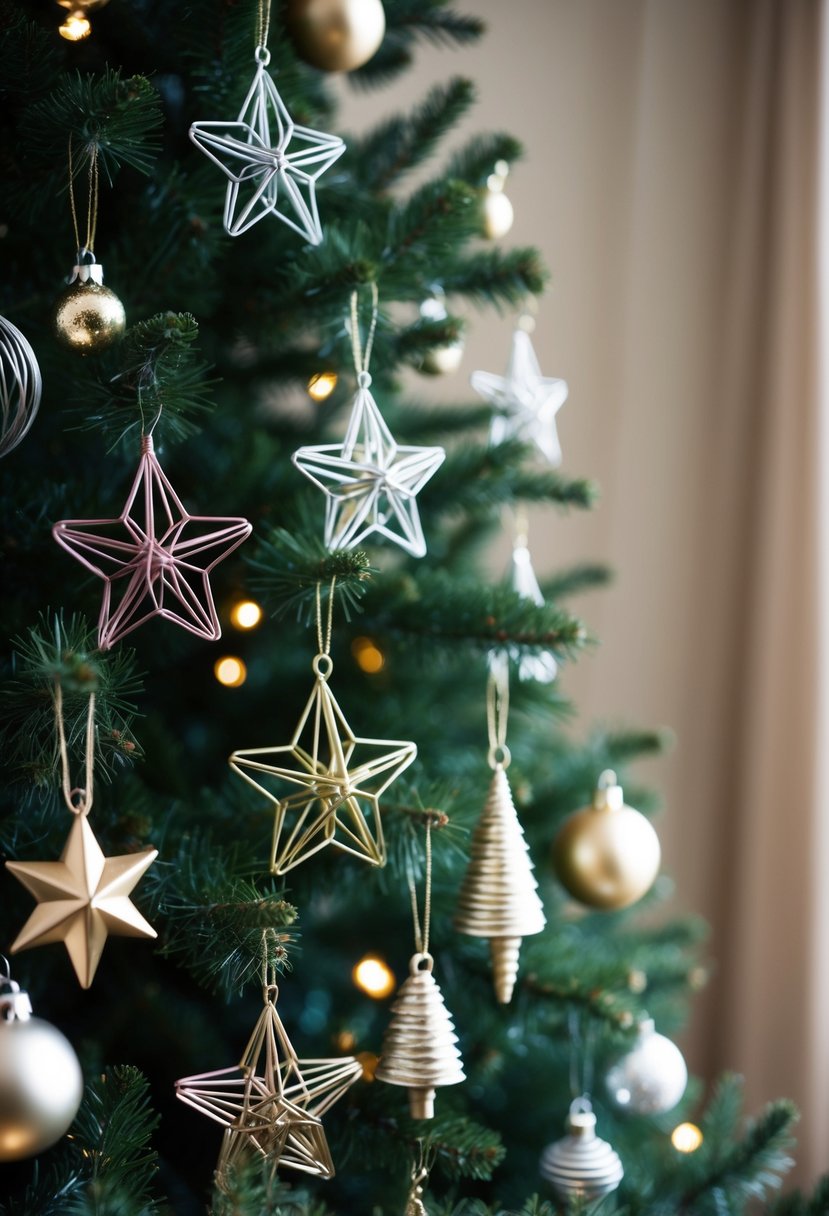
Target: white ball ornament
[[652, 1077], [41, 1083]]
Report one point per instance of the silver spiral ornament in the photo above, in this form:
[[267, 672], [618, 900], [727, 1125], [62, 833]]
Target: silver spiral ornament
[[20, 386], [420, 1045], [581, 1165]]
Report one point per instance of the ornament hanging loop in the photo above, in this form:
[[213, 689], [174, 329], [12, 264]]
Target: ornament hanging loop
[[323, 665], [421, 934], [77, 798], [86, 247], [270, 987], [362, 356], [582, 1035], [263, 25], [497, 714]]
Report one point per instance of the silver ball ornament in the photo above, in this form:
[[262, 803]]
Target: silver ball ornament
[[581, 1165], [652, 1077], [443, 360], [41, 1083]]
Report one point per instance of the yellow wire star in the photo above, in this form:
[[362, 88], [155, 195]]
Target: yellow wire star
[[82, 899]]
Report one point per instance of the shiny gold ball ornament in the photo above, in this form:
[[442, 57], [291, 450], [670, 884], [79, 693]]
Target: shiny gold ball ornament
[[581, 1165], [89, 317], [336, 35], [420, 1045], [499, 895], [607, 855], [41, 1083]]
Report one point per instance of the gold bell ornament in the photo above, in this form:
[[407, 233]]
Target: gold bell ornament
[[607, 855], [581, 1165], [499, 894], [420, 1045], [497, 210], [336, 35], [88, 316]]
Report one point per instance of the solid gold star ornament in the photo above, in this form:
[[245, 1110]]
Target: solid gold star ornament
[[82, 898]]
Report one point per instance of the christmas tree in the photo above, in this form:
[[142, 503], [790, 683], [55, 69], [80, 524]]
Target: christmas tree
[[279, 288]]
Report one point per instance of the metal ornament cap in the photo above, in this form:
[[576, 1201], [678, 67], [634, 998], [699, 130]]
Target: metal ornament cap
[[419, 1048], [607, 855], [651, 1078], [499, 895], [581, 1165]]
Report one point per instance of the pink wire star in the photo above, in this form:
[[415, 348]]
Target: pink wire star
[[161, 568]]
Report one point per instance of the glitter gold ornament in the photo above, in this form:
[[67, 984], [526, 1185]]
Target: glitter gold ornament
[[336, 35], [499, 895], [581, 1166], [607, 855], [41, 1083], [89, 317]]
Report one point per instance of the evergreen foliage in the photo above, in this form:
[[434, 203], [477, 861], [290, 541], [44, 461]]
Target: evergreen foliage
[[223, 335]]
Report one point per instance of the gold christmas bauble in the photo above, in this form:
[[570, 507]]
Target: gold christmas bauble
[[442, 360], [41, 1086], [607, 855], [336, 35], [497, 214], [89, 317]]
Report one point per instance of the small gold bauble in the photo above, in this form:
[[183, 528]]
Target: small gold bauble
[[336, 35], [88, 317], [442, 360], [41, 1086], [607, 855], [497, 214]]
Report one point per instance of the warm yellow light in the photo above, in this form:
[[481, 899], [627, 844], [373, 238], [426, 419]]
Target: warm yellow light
[[374, 978], [75, 28], [230, 671], [367, 655], [686, 1138], [369, 1062], [322, 385], [345, 1041], [246, 614]]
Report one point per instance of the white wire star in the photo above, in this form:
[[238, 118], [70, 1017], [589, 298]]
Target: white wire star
[[370, 482], [529, 401], [265, 155]]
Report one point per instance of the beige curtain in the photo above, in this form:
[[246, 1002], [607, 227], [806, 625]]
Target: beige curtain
[[676, 181]]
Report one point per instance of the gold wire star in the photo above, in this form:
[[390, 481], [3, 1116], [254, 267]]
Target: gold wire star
[[337, 772], [82, 899], [271, 1102]]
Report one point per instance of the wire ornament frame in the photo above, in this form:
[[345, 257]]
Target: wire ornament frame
[[160, 568], [21, 386]]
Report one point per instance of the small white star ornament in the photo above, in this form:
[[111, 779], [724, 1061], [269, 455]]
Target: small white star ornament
[[528, 402], [272, 165], [370, 482]]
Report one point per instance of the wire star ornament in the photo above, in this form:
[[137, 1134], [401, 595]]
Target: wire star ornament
[[340, 778], [157, 564], [528, 401], [271, 1103], [369, 481], [82, 899], [272, 165]]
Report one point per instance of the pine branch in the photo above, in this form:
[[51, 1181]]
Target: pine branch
[[290, 565], [475, 161], [496, 276], [403, 142], [57, 650], [575, 581], [798, 1204], [407, 21], [251, 1190], [160, 378], [483, 477], [29, 58]]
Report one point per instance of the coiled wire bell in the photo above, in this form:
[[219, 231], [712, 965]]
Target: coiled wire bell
[[419, 1048], [20, 386], [499, 895], [581, 1165]]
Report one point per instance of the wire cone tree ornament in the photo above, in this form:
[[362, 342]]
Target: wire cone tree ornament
[[272, 165], [339, 776], [84, 897], [581, 1165], [271, 1103], [527, 401], [499, 895], [155, 558], [370, 482], [21, 386], [420, 1045]]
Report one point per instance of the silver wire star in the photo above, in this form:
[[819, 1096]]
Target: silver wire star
[[529, 401], [267, 155], [370, 483]]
